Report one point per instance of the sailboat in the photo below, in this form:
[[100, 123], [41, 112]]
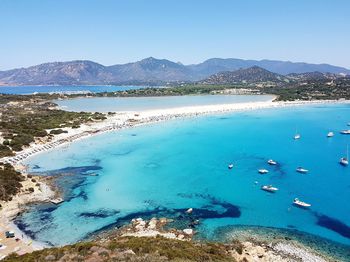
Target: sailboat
[[345, 160], [297, 135]]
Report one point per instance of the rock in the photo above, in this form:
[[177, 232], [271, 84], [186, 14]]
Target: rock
[[128, 252], [50, 258], [152, 223], [188, 231], [181, 236], [94, 249]]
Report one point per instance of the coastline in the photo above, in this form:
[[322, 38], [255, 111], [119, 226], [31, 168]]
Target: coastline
[[129, 119], [120, 120]]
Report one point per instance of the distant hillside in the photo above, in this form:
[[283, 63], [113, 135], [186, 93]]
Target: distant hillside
[[314, 76], [215, 65], [252, 75], [150, 71]]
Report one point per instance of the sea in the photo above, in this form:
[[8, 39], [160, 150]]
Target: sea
[[28, 90], [162, 169]]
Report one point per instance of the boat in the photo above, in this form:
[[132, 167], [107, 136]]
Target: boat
[[330, 134], [269, 188], [57, 201], [297, 136], [230, 166], [344, 161], [302, 170], [272, 162], [345, 132], [300, 203], [263, 171]]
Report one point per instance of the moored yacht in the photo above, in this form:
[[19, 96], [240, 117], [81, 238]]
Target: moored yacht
[[297, 136], [300, 203], [230, 166], [302, 170], [330, 134], [272, 162], [345, 160], [345, 132], [263, 171], [269, 188]]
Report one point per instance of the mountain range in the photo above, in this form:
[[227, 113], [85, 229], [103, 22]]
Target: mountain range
[[154, 71]]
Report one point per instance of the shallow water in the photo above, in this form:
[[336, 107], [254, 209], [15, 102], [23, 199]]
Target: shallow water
[[106, 104], [165, 168]]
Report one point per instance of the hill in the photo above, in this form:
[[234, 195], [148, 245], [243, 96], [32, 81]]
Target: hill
[[149, 71], [252, 75]]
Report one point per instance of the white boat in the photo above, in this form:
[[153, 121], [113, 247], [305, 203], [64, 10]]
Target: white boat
[[302, 170], [297, 136], [263, 171], [299, 203], [345, 160], [269, 188], [57, 201], [230, 166], [330, 134], [272, 162], [345, 132]]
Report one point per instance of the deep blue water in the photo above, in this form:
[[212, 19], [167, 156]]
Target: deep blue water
[[27, 90], [165, 168]]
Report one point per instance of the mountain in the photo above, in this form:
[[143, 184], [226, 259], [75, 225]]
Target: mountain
[[58, 73], [151, 69], [148, 71], [215, 65], [251, 75]]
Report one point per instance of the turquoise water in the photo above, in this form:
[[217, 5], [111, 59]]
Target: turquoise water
[[27, 90], [105, 104], [165, 168]]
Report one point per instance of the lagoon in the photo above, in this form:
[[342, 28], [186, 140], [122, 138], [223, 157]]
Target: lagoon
[[162, 169], [106, 104]]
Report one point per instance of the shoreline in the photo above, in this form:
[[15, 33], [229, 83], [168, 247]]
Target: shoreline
[[128, 119], [117, 121]]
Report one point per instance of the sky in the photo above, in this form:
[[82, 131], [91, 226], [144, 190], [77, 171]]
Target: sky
[[190, 31]]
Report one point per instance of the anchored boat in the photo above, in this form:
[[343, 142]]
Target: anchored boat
[[345, 160], [272, 162], [263, 171], [269, 188], [330, 134], [302, 170], [299, 203]]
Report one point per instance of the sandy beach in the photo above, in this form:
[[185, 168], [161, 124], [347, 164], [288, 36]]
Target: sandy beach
[[128, 119], [119, 120]]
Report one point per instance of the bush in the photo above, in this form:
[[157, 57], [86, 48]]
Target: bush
[[10, 182], [57, 131]]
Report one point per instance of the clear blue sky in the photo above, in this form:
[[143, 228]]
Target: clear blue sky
[[190, 31]]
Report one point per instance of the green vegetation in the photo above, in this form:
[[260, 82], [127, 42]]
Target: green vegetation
[[132, 249], [10, 182], [24, 118]]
